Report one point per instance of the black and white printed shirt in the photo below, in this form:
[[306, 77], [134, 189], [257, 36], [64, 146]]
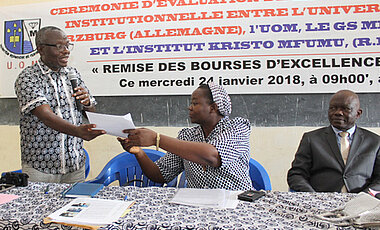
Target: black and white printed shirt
[[231, 139], [43, 148]]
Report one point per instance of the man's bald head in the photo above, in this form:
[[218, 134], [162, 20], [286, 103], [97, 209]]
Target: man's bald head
[[344, 109]]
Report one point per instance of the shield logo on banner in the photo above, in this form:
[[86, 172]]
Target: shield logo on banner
[[20, 35]]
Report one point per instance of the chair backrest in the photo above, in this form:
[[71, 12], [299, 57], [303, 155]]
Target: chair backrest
[[182, 182], [259, 176], [125, 169], [87, 164], [16, 171]]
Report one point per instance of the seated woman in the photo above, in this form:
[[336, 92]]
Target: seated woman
[[214, 154]]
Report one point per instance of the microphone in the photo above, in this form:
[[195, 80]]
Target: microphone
[[74, 83]]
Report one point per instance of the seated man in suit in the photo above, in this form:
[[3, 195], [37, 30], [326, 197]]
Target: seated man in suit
[[320, 165]]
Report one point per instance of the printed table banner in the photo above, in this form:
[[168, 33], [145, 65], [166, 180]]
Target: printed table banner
[[169, 47]]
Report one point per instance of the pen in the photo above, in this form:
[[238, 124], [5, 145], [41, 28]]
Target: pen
[[46, 189], [373, 192], [128, 209]]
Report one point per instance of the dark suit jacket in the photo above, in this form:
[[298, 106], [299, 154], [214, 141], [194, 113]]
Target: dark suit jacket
[[318, 164]]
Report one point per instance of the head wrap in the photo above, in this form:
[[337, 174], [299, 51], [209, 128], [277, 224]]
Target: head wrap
[[221, 98]]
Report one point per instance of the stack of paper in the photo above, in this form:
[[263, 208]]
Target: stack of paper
[[90, 212], [215, 198], [112, 124]]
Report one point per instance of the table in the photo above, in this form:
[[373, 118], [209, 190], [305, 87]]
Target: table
[[277, 210]]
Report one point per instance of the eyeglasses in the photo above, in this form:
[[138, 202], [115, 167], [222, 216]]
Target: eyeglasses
[[61, 47]]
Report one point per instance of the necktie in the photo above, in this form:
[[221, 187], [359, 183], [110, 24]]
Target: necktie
[[344, 145], [344, 149]]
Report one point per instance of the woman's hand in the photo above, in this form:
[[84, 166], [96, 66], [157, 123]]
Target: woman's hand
[[132, 149], [140, 137]]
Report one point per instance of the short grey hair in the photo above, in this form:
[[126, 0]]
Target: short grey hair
[[40, 37]]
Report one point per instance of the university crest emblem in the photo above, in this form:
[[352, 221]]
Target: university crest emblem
[[19, 35]]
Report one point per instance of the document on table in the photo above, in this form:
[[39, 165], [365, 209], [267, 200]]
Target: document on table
[[90, 212], [112, 124], [215, 198], [5, 198]]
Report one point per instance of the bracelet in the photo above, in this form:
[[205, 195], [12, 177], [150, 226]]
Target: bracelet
[[157, 141]]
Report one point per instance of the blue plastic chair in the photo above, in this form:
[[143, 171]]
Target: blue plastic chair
[[259, 176], [182, 183], [125, 169], [87, 165]]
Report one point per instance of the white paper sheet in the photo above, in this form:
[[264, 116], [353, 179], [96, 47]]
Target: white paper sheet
[[91, 211], [112, 124], [215, 198], [5, 198]]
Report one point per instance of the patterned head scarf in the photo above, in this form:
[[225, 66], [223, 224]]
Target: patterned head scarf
[[221, 98]]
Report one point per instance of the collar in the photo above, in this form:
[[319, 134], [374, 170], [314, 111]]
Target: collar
[[351, 131], [45, 69], [219, 126]]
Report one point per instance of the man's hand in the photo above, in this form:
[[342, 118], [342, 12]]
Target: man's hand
[[87, 133], [82, 95]]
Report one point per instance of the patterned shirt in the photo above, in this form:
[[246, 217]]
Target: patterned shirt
[[42, 147], [231, 139]]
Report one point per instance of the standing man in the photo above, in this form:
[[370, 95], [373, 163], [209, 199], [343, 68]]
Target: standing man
[[51, 126], [338, 158]]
